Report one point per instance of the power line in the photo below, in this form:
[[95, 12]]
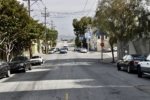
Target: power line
[[38, 6], [85, 5], [43, 3], [91, 7]]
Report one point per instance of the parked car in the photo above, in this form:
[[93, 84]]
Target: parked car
[[130, 62], [63, 50], [52, 50], [66, 47], [75, 49], [83, 50], [4, 69], [144, 67], [36, 60], [115, 48], [20, 63], [106, 49]]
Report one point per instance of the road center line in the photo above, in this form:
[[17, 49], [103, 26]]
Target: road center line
[[66, 75], [66, 96]]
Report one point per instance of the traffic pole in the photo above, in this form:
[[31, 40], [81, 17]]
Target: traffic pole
[[102, 45]]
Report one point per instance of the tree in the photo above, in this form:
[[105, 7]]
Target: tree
[[33, 32], [51, 35], [120, 18], [80, 28], [13, 20], [112, 41]]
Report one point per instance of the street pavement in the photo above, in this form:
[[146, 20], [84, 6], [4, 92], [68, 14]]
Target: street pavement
[[75, 76]]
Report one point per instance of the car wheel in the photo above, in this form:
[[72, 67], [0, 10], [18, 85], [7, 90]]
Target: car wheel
[[8, 73], [118, 66], [128, 69], [139, 72], [30, 67], [24, 70]]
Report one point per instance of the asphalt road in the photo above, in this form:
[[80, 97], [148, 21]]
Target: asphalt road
[[74, 76]]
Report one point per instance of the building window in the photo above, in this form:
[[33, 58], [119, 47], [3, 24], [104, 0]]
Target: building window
[[105, 36]]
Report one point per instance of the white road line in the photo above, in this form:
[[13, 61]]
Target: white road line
[[52, 84]]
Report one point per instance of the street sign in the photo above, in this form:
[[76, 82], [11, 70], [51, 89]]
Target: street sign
[[102, 44], [81, 38], [98, 33], [88, 35]]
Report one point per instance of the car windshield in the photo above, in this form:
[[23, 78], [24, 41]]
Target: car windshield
[[139, 57], [18, 59], [52, 48], [63, 49], [35, 57]]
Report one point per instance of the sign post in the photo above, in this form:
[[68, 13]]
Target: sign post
[[102, 45], [81, 39], [88, 36]]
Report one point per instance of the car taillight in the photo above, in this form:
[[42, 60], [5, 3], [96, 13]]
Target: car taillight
[[136, 62]]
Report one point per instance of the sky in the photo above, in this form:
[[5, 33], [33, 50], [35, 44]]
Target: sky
[[62, 13]]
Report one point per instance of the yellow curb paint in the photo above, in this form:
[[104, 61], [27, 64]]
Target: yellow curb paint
[[66, 96], [66, 75]]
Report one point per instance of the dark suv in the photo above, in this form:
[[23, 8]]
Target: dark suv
[[65, 47]]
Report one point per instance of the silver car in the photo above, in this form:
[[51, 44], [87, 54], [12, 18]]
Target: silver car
[[63, 50]]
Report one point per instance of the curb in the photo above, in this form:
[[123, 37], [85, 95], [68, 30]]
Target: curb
[[108, 62]]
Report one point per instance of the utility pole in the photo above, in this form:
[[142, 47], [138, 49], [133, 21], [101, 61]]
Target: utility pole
[[52, 25], [88, 36], [30, 48], [45, 14]]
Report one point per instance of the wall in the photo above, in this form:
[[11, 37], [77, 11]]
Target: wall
[[141, 46], [106, 43]]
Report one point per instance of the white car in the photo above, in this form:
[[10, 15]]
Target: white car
[[36, 60], [83, 50], [143, 67], [115, 48], [52, 50]]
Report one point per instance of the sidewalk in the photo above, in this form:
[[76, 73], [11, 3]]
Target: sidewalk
[[107, 57], [109, 61], [38, 54]]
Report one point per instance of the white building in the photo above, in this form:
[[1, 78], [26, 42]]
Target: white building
[[95, 42]]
